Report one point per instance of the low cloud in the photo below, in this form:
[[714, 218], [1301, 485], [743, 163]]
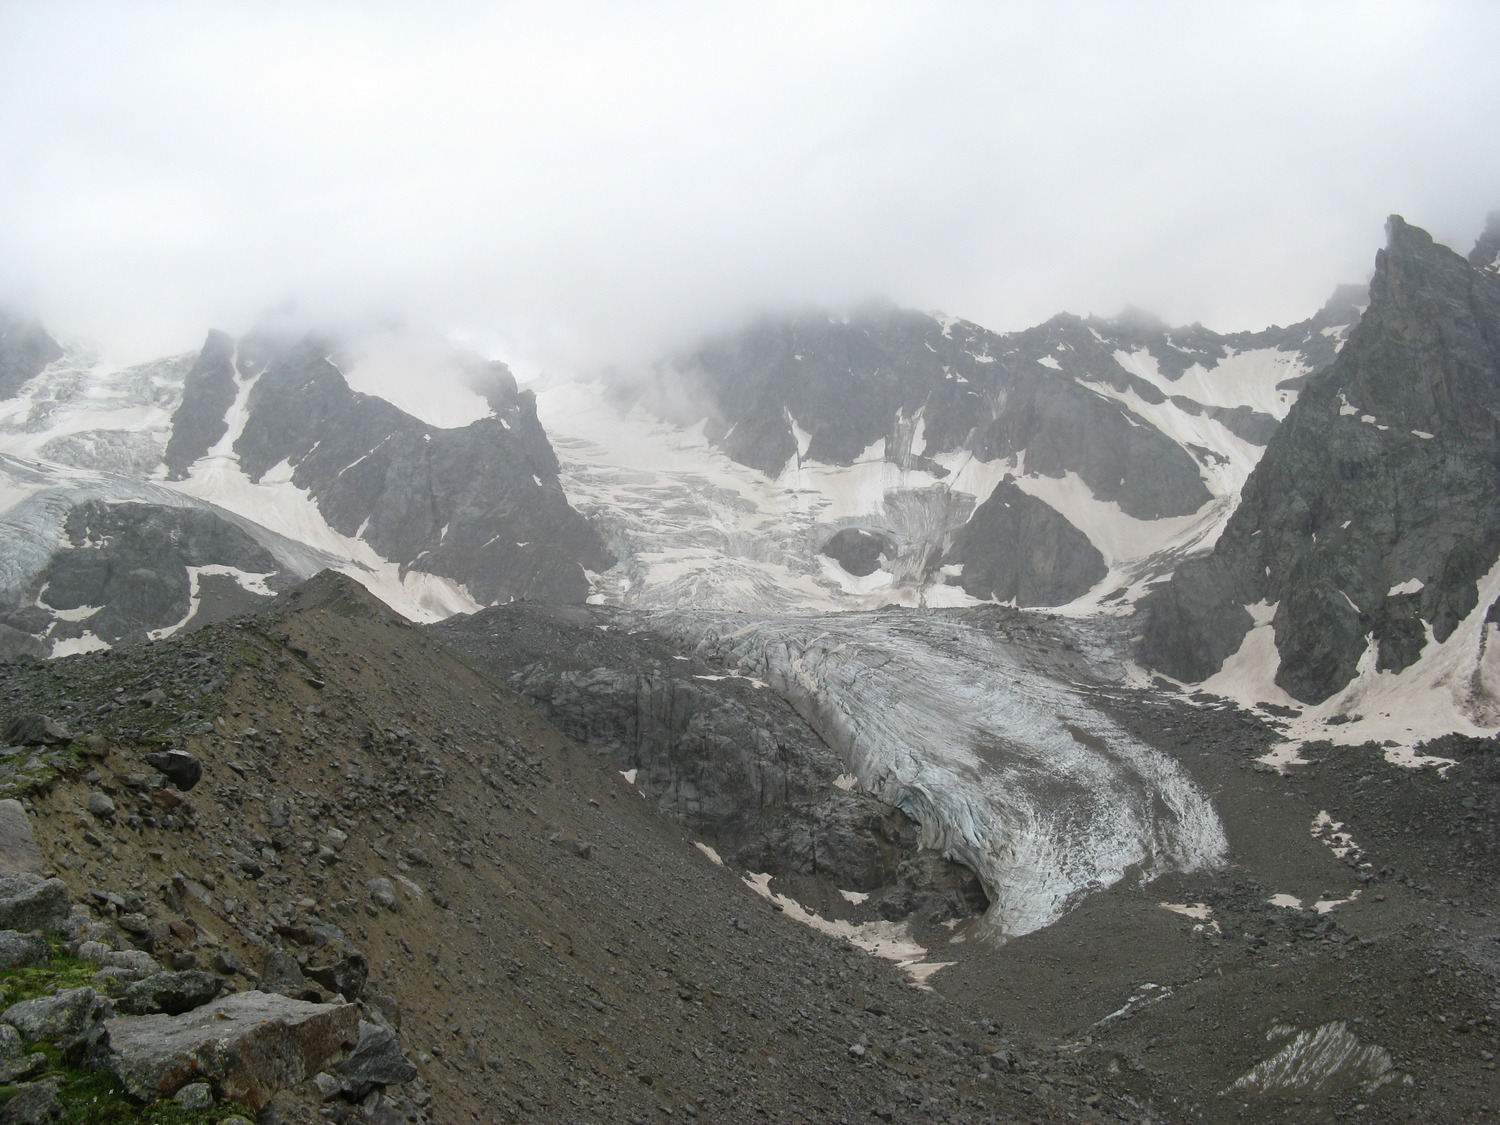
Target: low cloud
[[582, 183]]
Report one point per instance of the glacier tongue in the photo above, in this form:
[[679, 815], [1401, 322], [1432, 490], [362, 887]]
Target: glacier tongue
[[1007, 770]]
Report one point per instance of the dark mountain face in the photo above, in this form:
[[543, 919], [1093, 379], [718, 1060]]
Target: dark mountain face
[[479, 504], [99, 550], [1376, 508], [132, 561], [848, 383], [25, 348], [1017, 549]]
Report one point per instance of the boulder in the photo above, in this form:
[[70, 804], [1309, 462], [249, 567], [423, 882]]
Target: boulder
[[23, 951], [177, 766], [172, 993], [283, 975], [28, 902], [35, 730], [347, 976], [375, 1061], [248, 1045], [18, 848], [36, 1103], [15, 1063], [73, 1020]]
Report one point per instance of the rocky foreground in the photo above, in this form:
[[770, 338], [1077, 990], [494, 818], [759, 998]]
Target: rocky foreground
[[320, 809]]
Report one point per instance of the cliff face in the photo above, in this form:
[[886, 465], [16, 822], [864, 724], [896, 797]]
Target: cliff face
[[1375, 511]]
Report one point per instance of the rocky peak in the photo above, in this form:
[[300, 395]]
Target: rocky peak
[[1425, 355], [1376, 508]]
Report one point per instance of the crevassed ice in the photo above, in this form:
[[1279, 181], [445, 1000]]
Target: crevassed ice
[[1013, 774]]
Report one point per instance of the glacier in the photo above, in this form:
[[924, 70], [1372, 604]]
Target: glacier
[[953, 718]]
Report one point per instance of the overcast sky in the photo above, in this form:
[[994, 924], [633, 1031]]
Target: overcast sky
[[570, 182]]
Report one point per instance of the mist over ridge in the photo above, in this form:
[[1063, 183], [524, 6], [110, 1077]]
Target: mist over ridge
[[579, 186]]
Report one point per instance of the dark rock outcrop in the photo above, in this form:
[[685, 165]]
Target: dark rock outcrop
[[132, 560], [859, 551], [1376, 507], [208, 391], [480, 504], [1017, 548], [25, 349], [850, 382]]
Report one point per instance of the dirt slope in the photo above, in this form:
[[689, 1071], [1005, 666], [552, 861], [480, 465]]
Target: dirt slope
[[556, 950], [612, 977]]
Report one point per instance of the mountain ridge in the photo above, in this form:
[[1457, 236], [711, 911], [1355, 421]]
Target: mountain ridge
[[1375, 515]]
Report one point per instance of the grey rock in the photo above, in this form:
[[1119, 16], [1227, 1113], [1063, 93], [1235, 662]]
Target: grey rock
[[18, 847], [195, 1096], [36, 1103], [25, 350], [31, 903], [34, 729], [228, 964], [1016, 548], [364, 463], [283, 975], [131, 558], [208, 391], [328, 1086], [859, 551], [572, 843], [248, 1045], [72, 1020], [15, 1063], [376, 1061], [383, 892], [172, 993], [131, 960], [346, 976], [177, 766], [101, 806], [1341, 511], [19, 950]]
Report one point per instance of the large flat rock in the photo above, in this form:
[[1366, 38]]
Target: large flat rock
[[248, 1046], [19, 853]]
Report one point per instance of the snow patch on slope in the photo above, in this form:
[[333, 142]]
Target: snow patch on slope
[[1249, 378]]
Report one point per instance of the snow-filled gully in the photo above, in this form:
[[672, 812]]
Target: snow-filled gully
[[1015, 775]]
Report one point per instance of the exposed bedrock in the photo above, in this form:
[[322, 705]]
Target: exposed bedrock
[[130, 567], [948, 716], [116, 559], [858, 550], [1017, 549]]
